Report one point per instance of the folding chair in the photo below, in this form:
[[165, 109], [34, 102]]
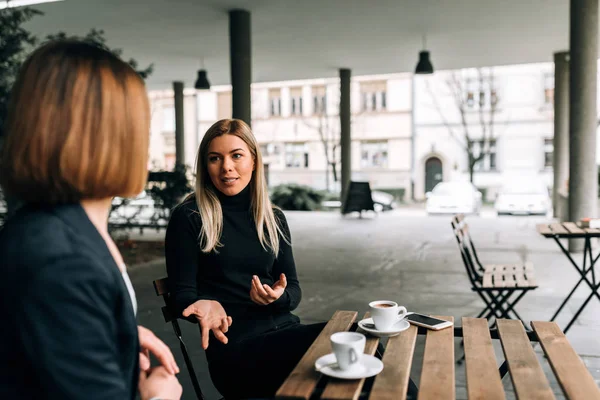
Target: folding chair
[[502, 286], [161, 286]]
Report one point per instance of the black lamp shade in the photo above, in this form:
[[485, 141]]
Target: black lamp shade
[[202, 81], [424, 66]]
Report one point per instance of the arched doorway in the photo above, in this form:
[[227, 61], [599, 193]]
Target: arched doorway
[[433, 173]]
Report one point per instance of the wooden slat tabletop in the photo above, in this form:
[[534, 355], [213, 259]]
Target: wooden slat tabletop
[[303, 379], [558, 228], [438, 372], [437, 376], [483, 379], [392, 382], [526, 372], [566, 230], [572, 374], [543, 229], [573, 228], [350, 389]]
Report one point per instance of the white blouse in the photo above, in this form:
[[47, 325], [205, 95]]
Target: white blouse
[[129, 288]]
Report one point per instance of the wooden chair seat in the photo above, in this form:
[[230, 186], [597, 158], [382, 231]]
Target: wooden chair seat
[[507, 276], [496, 268]]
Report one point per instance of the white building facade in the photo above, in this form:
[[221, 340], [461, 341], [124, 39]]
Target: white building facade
[[297, 126], [395, 146], [518, 132]]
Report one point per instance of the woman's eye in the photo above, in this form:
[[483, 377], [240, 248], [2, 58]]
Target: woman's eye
[[213, 158], [236, 156]]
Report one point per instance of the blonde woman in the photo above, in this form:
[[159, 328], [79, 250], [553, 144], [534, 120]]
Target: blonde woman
[[231, 267], [76, 136]]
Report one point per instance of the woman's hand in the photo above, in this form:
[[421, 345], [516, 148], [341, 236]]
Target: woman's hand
[[212, 317], [264, 294], [157, 383], [149, 343]]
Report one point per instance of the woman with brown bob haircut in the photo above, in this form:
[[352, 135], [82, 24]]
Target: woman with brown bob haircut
[[76, 136]]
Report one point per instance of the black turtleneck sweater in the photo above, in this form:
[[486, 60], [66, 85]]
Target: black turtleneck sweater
[[226, 275]]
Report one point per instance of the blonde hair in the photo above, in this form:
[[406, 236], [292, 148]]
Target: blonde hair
[[78, 127], [209, 207]]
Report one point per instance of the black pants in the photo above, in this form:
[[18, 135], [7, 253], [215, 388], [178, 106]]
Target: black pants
[[256, 367]]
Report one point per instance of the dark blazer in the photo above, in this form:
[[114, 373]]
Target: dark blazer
[[68, 325]]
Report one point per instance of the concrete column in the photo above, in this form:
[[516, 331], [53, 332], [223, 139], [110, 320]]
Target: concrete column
[[413, 138], [240, 54], [179, 121], [345, 137], [583, 178], [561, 132]]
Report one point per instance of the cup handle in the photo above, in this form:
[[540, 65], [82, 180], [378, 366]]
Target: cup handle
[[353, 356], [401, 313]]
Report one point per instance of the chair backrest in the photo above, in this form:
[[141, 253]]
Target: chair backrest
[[465, 252], [459, 220], [161, 287]]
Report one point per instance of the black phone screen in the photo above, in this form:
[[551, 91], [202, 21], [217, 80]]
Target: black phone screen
[[423, 319]]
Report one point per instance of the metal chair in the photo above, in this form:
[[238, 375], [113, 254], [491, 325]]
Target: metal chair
[[161, 287], [495, 284]]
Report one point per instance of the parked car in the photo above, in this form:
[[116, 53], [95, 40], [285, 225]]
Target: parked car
[[382, 201], [452, 198], [523, 197]]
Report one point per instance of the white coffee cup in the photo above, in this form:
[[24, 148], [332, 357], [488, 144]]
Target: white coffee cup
[[348, 348], [386, 313]]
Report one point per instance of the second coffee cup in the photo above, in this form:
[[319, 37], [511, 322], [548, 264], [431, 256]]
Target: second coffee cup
[[386, 313]]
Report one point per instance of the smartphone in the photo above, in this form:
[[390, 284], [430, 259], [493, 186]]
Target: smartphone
[[427, 321]]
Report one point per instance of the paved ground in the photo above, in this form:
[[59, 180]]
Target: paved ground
[[343, 263]]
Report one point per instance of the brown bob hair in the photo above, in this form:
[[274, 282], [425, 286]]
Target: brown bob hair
[[77, 128]]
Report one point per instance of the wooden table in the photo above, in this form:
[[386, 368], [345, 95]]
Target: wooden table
[[571, 230], [437, 376]]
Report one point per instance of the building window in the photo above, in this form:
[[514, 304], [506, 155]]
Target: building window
[[168, 116], [296, 105], [549, 89], [481, 93], [270, 153], [275, 103], [548, 152], [319, 100], [296, 101], [489, 161], [270, 149], [296, 155], [374, 154], [374, 96]]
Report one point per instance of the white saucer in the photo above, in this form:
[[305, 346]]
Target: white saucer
[[394, 330], [370, 366]]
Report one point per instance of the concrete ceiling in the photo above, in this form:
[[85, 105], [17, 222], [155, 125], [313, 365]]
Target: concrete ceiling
[[313, 38]]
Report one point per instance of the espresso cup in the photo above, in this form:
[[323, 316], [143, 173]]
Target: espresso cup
[[348, 348], [386, 313]]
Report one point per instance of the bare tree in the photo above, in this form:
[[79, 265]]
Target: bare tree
[[464, 100], [328, 129]]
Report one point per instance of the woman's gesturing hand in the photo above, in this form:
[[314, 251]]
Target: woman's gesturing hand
[[264, 294], [149, 343], [212, 317]]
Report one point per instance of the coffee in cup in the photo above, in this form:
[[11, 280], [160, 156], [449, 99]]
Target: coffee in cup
[[383, 305], [386, 313], [348, 348]]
